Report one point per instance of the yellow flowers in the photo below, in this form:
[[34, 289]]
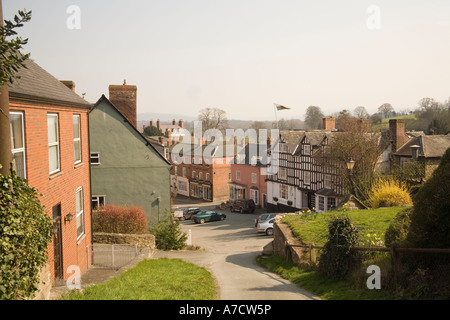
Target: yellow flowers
[[373, 240], [389, 192]]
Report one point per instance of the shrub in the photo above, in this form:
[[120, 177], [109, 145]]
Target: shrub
[[168, 235], [389, 192], [113, 219], [25, 232], [430, 219], [337, 260], [398, 229]]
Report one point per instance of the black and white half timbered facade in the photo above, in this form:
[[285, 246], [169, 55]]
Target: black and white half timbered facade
[[306, 178]]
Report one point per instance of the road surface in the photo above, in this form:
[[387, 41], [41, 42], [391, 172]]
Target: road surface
[[230, 248]]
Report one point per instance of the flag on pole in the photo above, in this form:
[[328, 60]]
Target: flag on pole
[[280, 107]]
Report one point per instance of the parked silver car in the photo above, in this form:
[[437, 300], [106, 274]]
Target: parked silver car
[[266, 226], [264, 217]]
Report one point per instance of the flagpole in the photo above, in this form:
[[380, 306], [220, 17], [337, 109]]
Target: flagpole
[[276, 116]]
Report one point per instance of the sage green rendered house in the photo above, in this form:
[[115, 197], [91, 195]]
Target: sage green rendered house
[[125, 167]]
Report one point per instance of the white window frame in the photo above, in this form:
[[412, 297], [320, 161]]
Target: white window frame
[[307, 178], [207, 178], [75, 140], [54, 144], [97, 199], [284, 191], [95, 155], [200, 176], [254, 195], [194, 175], [238, 175], [254, 178], [282, 174], [79, 214], [20, 150]]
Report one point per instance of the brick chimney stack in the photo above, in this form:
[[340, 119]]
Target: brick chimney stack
[[124, 98], [329, 123], [397, 133]]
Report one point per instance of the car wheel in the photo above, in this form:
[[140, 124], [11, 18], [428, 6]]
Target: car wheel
[[269, 231], [222, 218], [202, 221]]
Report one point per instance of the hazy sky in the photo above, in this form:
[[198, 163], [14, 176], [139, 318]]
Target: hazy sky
[[243, 56]]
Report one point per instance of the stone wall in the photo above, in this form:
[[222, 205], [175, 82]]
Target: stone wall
[[283, 237], [142, 240], [45, 284]]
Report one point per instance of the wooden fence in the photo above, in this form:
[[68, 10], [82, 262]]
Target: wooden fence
[[394, 250]]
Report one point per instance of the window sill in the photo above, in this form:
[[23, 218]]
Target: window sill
[[77, 165], [55, 175], [81, 239]]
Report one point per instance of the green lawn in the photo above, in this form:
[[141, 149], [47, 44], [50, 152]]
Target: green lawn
[[159, 279], [313, 228]]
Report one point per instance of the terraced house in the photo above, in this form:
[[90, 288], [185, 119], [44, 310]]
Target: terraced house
[[50, 146]]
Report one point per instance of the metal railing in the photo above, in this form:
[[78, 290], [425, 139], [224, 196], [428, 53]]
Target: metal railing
[[111, 256]]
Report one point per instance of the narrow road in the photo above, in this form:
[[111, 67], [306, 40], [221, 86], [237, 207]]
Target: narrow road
[[230, 248]]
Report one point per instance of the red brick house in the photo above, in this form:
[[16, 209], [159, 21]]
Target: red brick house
[[248, 178], [49, 128], [203, 176]]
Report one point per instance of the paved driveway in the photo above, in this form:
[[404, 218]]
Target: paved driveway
[[230, 249]]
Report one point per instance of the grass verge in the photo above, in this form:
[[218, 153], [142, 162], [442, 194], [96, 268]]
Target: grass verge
[[313, 228], [158, 279], [322, 287]]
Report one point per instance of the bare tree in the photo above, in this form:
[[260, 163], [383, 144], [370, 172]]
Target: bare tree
[[355, 143], [213, 118], [386, 110], [361, 113]]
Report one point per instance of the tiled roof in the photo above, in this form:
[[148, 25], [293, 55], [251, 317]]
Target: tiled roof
[[37, 85]]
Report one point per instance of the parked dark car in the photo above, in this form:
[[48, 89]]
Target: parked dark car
[[189, 212], [206, 216], [243, 206]]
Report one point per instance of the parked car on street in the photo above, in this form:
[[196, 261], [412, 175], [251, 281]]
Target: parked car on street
[[189, 212], [206, 216], [243, 206], [264, 217], [266, 226]]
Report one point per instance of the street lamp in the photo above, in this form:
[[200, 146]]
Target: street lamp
[[350, 165]]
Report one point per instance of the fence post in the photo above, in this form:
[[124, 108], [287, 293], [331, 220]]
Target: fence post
[[394, 259], [312, 254], [112, 256]]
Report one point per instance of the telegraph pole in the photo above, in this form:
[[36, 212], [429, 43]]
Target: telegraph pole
[[5, 134]]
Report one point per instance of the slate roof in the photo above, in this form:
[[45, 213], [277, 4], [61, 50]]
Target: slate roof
[[431, 146], [37, 85]]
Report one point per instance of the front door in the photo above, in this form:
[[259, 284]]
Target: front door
[[57, 243]]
